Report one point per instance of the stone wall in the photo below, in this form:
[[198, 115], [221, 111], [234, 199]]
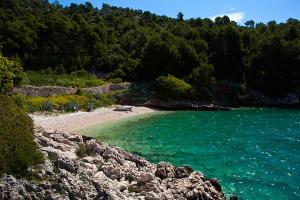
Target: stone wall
[[45, 91]]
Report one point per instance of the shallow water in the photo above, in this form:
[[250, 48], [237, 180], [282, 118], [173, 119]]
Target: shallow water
[[255, 153]]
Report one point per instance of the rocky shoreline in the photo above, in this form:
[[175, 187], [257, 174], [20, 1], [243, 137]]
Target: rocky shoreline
[[184, 105], [80, 167], [291, 101]]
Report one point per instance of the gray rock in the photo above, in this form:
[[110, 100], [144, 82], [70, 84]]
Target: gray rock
[[165, 170], [105, 173], [184, 171]]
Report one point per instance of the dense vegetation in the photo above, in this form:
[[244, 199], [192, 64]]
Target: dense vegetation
[[79, 79], [69, 103], [11, 74], [141, 46], [172, 87], [17, 147]]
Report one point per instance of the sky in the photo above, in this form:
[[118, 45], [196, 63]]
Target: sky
[[237, 10]]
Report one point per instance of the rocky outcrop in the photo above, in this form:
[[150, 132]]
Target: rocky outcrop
[[256, 98], [184, 105], [103, 172], [45, 91]]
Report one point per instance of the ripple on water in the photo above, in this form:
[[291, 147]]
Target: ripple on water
[[255, 153]]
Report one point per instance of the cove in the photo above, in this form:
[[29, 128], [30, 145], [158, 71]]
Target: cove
[[255, 153]]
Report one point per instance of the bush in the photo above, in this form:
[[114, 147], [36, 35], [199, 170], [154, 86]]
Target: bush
[[11, 74], [70, 103], [47, 106], [172, 87], [17, 147], [72, 106], [115, 80], [104, 100], [34, 103], [81, 151], [90, 106], [79, 79], [19, 100]]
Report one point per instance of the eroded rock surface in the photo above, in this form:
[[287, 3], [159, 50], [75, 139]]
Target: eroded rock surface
[[103, 172]]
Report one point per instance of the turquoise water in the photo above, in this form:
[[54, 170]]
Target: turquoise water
[[255, 153]]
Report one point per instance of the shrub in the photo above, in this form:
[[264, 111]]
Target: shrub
[[19, 100], [47, 106], [81, 151], [70, 103], [71, 106], [172, 87], [17, 147], [34, 103], [11, 74], [79, 79], [104, 100], [131, 189], [61, 101], [116, 80], [90, 106]]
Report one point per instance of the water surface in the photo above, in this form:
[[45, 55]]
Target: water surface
[[255, 153]]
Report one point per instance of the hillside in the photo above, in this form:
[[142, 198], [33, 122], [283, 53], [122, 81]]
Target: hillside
[[140, 46]]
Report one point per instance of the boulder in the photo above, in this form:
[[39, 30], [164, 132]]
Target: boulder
[[183, 171], [165, 170], [214, 182]]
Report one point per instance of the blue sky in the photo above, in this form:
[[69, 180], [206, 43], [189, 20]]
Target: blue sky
[[237, 10]]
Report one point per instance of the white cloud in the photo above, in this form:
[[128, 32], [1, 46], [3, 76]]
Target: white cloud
[[237, 16]]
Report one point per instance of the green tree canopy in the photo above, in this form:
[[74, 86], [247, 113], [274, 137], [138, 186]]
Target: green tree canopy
[[11, 74]]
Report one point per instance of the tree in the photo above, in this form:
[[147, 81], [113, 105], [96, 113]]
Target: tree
[[171, 87], [180, 16], [222, 20], [11, 74], [145, 46], [250, 24], [18, 150]]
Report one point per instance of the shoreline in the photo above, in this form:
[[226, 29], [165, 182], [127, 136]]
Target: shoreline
[[78, 167], [77, 121], [73, 122]]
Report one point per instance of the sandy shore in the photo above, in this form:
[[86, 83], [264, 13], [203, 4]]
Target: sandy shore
[[72, 122]]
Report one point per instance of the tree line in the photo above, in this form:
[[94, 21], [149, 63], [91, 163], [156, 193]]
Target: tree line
[[140, 46]]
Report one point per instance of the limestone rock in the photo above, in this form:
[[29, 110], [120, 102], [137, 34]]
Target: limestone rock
[[165, 170], [104, 173]]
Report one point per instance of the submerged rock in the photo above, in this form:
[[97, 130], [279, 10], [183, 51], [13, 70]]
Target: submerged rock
[[104, 172]]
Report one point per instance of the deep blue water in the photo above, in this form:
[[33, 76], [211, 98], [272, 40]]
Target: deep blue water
[[255, 153]]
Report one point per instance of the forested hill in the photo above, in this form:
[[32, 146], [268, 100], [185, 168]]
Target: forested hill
[[141, 46]]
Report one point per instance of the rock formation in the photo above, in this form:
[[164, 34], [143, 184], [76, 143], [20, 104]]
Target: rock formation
[[80, 167]]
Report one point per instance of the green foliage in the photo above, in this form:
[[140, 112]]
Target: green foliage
[[17, 147], [19, 100], [141, 46], [115, 80], [81, 151], [75, 79], [70, 103], [172, 87], [11, 74], [71, 106], [47, 106], [131, 189], [104, 100]]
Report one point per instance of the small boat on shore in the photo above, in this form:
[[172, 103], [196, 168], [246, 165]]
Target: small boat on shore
[[123, 108]]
